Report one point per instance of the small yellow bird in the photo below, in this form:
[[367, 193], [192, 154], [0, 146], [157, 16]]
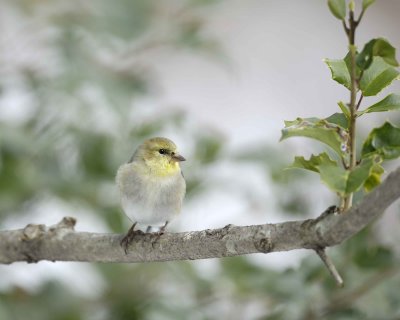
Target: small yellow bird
[[151, 186]]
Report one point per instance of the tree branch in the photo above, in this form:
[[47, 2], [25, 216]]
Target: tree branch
[[62, 243]]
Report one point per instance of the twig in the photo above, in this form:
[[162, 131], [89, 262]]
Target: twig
[[359, 101], [360, 17], [352, 105], [331, 267], [346, 28]]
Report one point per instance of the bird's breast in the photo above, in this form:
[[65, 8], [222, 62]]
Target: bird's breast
[[149, 199]]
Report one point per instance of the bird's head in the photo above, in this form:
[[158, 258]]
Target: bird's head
[[160, 155]]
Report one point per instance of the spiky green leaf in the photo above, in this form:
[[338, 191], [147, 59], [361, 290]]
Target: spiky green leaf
[[319, 129], [378, 76], [379, 47], [390, 103], [339, 71], [345, 181], [313, 163], [383, 141]]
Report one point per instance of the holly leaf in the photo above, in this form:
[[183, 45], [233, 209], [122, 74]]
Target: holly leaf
[[345, 181], [338, 8], [390, 103], [318, 129], [374, 178], [340, 119], [383, 141], [339, 71], [378, 76], [313, 163], [367, 3], [379, 47]]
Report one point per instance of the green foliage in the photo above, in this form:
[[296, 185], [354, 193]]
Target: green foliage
[[319, 129], [340, 72], [338, 8], [344, 181], [338, 179], [377, 77], [344, 109], [364, 73], [339, 119], [390, 103], [374, 178], [377, 48], [383, 141], [367, 3], [313, 163]]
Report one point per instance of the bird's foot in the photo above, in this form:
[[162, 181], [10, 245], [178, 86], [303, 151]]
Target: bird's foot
[[127, 240], [158, 234], [162, 229]]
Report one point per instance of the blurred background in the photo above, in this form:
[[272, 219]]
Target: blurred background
[[83, 83]]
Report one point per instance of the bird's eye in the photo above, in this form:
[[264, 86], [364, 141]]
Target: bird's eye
[[162, 151]]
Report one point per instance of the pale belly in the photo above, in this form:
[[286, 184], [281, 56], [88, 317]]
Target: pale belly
[[152, 215], [152, 203]]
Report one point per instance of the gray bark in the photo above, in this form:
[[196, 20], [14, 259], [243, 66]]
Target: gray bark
[[62, 243]]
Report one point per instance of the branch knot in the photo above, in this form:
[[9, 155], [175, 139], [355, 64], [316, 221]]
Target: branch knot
[[264, 245], [33, 231]]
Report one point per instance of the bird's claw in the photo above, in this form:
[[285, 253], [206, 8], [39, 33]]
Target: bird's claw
[[127, 240], [157, 236]]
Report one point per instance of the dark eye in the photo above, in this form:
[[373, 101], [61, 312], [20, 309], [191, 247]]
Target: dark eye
[[162, 151]]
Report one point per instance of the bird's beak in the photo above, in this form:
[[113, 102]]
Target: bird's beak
[[177, 157]]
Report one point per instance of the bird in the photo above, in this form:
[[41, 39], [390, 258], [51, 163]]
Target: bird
[[151, 186]]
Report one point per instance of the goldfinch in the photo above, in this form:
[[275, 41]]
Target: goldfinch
[[152, 186]]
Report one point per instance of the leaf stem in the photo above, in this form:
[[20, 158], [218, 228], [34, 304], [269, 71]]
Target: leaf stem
[[360, 17], [346, 29], [359, 101]]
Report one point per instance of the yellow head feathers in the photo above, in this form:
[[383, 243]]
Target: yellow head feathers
[[159, 155]]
